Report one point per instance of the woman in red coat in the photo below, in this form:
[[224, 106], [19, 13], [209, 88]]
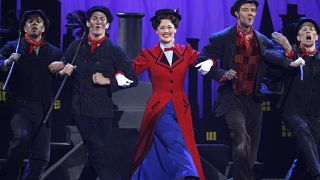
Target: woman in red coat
[[166, 148]]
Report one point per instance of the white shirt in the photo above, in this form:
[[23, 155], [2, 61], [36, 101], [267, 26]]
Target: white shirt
[[168, 54]]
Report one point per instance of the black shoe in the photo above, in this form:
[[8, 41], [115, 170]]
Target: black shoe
[[5, 176], [316, 177]]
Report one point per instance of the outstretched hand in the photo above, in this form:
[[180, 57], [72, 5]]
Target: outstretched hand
[[122, 80], [281, 40], [204, 67]]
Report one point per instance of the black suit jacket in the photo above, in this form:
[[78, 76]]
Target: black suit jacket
[[93, 100], [31, 79], [222, 45], [301, 96]]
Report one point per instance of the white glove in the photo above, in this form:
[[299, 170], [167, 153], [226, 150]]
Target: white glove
[[205, 66], [297, 62], [122, 80]]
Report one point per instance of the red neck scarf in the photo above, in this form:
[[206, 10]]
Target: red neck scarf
[[244, 37], [33, 44], [95, 43], [309, 53]]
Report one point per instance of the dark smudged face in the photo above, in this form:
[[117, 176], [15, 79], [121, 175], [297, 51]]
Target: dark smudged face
[[34, 26], [98, 24]]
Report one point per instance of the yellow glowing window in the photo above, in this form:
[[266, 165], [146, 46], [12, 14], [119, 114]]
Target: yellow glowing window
[[285, 132], [57, 105], [266, 106], [211, 135]]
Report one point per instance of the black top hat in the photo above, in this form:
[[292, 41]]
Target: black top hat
[[303, 20], [159, 12], [39, 12], [102, 9], [236, 6]]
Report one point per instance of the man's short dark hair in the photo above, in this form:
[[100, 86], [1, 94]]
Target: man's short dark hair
[[236, 6]]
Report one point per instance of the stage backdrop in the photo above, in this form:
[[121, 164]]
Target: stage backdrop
[[200, 18]]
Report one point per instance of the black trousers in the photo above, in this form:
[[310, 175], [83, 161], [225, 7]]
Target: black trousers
[[306, 130], [244, 118], [30, 140], [96, 134]]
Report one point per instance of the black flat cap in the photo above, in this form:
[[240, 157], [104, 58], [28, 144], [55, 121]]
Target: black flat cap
[[39, 12], [102, 9], [304, 20], [236, 6]]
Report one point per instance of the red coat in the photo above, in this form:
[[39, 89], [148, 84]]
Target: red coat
[[167, 82]]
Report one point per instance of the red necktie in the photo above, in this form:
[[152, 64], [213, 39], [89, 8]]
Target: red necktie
[[33, 44], [168, 49], [95, 43]]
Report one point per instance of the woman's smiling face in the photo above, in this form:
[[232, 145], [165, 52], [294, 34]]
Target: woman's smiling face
[[166, 31]]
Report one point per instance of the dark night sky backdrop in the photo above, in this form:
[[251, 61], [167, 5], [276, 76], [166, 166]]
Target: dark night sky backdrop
[[200, 18]]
